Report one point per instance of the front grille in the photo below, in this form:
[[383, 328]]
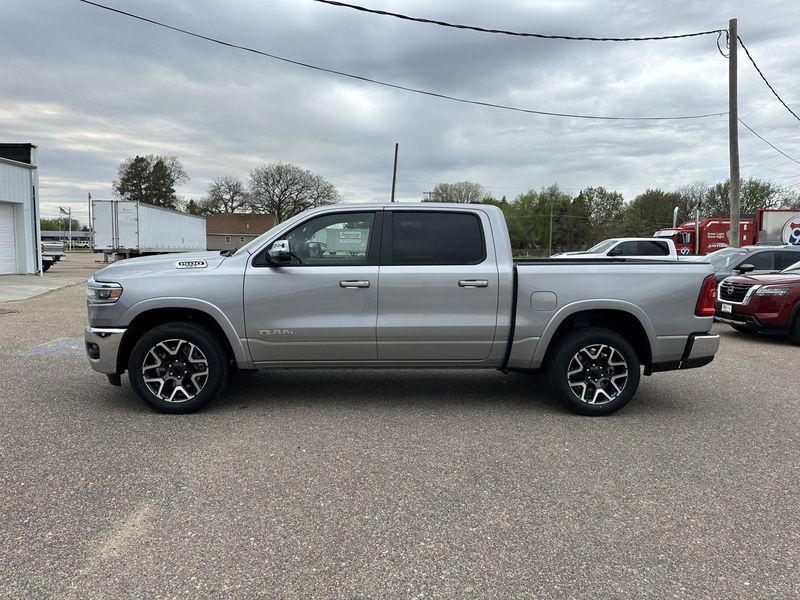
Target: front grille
[[733, 292]]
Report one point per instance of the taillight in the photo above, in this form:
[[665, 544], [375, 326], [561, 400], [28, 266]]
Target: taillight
[[705, 301]]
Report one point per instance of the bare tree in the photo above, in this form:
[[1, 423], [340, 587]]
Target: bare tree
[[464, 192], [226, 194], [284, 190]]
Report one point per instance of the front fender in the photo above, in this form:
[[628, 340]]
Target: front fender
[[240, 351]]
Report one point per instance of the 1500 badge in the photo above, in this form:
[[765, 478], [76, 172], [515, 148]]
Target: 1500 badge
[[191, 264]]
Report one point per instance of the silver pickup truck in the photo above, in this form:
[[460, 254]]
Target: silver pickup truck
[[422, 285]]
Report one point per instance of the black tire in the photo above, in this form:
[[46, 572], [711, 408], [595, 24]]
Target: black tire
[[45, 267], [199, 351], [604, 388], [794, 331]]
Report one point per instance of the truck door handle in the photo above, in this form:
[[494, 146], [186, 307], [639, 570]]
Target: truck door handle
[[354, 284], [472, 283]]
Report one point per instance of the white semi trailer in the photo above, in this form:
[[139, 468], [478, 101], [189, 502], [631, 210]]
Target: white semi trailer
[[127, 229]]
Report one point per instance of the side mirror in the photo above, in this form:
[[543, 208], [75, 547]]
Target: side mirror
[[616, 252], [279, 253], [745, 268]]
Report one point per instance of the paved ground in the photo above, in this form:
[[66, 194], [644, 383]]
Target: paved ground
[[394, 484], [72, 269]]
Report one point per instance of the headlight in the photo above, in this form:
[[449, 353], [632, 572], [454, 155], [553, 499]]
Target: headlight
[[772, 291], [103, 293]]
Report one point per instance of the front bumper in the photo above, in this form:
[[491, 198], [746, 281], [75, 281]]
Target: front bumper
[[102, 348]]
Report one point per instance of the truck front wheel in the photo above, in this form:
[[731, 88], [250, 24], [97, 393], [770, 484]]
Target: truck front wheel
[[178, 367], [594, 371]]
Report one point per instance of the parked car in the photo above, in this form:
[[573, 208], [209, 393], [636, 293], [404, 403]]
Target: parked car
[[763, 259], [449, 294], [761, 303], [52, 252], [627, 248]]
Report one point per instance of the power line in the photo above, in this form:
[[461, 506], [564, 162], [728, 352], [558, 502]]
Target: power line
[[770, 144], [544, 36], [769, 85], [394, 85]]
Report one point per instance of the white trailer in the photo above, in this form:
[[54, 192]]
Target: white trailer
[[135, 228]]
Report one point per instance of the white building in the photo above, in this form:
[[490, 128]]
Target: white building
[[20, 251]]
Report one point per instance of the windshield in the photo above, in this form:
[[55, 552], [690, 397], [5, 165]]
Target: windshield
[[601, 247], [793, 270], [723, 259]]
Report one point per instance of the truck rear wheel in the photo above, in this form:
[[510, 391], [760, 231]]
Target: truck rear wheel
[[594, 371], [178, 367]]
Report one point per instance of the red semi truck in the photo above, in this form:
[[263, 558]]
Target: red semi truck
[[771, 226]]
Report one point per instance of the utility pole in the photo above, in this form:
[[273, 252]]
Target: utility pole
[[733, 133], [550, 242], [91, 224], [394, 171]]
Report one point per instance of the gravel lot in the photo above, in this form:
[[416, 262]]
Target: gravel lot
[[393, 484]]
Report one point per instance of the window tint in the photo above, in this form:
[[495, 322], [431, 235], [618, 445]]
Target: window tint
[[787, 258], [653, 248], [762, 261], [431, 238], [626, 249], [335, 240]]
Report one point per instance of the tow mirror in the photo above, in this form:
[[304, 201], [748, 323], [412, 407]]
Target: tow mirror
[[746, 268], [279, 253]]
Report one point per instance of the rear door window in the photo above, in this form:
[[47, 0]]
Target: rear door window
[[435, 238], [653, 248], [786, 259], [762, 261]]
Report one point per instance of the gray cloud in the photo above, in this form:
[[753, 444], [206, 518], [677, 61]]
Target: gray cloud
[[91, 88]]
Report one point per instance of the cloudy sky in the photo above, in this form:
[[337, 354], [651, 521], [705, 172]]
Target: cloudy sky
[[91, 88]]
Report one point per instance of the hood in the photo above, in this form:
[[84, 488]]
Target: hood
[[161, 264], [772, 279]]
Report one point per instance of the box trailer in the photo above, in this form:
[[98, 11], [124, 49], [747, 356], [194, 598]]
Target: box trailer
[[136, 228], [778, 226]]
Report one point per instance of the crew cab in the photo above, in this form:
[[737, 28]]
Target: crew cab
[[661, 248], [406, 286], [762, 303]]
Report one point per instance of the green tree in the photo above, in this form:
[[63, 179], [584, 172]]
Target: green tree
[[754, 194], [603, 209], [151, 179], [648, 212], [60, 225]]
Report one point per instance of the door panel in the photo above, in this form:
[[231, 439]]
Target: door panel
[[429, 312], [323, 304], [303, 313]]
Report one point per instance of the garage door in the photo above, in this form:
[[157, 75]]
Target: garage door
[[8, 246]]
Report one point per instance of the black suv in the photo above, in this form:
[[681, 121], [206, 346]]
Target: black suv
[[765, 259]]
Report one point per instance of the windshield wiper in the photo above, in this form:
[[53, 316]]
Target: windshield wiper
[[228, 252]]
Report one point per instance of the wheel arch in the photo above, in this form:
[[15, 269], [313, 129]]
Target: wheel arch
[[146, 315], [624, 318]]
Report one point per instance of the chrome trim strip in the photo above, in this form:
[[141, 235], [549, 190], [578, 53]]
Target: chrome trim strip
[[746, 298], [703, 345]]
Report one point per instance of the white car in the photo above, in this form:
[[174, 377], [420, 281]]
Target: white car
[[627, 248]]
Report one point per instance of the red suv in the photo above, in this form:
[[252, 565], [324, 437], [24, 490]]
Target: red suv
[[764, 303]]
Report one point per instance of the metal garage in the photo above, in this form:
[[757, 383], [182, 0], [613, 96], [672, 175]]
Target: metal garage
[[20, 251]]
